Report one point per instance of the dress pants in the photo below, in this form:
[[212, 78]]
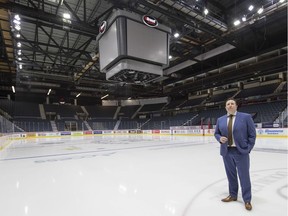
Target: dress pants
[[235, 161]]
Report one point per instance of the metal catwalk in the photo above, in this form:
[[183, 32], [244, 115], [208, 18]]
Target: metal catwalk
[[136, 175]]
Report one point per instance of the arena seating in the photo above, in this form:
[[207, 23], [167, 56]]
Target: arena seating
[[27, 116], [257, 91], [222, 96], [101, 112], [193, 102], [128, 111], [152, 107]]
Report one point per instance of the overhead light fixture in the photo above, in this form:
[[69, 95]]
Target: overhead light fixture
[[66, 16], [236, 22], [17, 27], [20, 66], [17, 17], [17, 22], [19, 44], [56, 1], [176, 35], [129, 98], [18, 35], [19, 52], [170, 57], [78, 95], [260, 10], [49, 91], [281, 1], [206, 11], [244, 18], [104, 96], [66, 21], [251, 7], [13, 89]]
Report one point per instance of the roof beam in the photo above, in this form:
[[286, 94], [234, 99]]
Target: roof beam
[[80, 27]]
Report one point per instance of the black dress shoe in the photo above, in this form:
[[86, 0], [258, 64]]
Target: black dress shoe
[[229, 199], [248, 206]]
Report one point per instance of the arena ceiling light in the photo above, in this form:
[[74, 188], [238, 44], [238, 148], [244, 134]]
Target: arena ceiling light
[[176, 35], [13, 89], [237, 22], [66, 16], [260, 11], [251, 7], [56, 1], [17, 27], [104, 96], [17, 22], [78, 95], [17, 17], [49, 91]]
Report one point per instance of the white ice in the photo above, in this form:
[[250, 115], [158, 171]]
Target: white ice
[[136, 175]]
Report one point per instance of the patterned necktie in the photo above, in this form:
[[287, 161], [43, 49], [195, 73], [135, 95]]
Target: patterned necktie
[[230, 139]]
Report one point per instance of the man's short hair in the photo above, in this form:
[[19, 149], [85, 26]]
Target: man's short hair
[[233, 100]]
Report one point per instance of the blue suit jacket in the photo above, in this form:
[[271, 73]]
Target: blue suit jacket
[[244, 132]]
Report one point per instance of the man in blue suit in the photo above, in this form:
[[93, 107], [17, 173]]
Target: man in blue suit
[[235, 148]]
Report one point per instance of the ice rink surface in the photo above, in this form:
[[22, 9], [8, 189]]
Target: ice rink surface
[[136, 175]]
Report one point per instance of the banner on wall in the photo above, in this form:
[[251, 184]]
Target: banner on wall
[[194, 132], [31, 134], [186, 127], [19, 135], [268, 132], [53, 134], [135, 131], [272, 131], [107, 132], [270, 125], [78, 133], [121, 132], [146, 131], [165, 132], [41, 134], [65, 133]]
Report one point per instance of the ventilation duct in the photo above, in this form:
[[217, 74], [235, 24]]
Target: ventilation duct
[[133, 48]]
